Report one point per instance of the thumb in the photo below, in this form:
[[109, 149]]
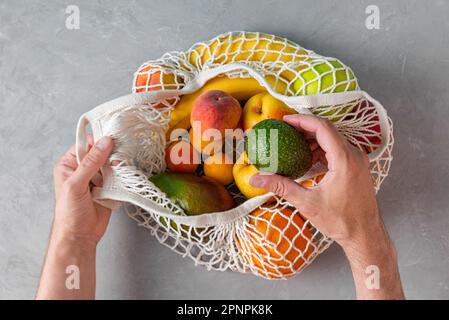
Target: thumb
[[92, 162], [305, 200]]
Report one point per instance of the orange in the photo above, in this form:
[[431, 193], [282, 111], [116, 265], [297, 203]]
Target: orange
[[219, 167], [147, 80], [207, 147], [180, 156], [276, 242], [313, 181]]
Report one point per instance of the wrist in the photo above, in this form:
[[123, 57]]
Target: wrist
[[366, 234], [373, 261], [69, 268], [361, 256], [370, 248], [66, 238]]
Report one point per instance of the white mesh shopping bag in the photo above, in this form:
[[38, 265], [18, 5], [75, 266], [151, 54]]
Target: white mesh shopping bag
[[264, 235]]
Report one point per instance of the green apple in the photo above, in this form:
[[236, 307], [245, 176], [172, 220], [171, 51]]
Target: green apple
[[319, 78]]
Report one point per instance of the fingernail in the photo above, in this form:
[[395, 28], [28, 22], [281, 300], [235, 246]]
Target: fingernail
[[289, 117], [103, 143], [256, 181], [265, 173]]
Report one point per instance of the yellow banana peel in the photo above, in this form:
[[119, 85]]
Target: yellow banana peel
[[245, 47]]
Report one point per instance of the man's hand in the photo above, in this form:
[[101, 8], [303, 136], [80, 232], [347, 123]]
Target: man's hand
[[343, 206], [76, 214], [79, 223]]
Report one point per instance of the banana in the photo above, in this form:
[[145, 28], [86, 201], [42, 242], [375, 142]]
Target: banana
[[239, 88], [249, 47], [235, 47]]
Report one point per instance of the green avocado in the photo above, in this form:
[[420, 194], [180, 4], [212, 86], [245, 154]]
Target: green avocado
[[193, 194], [292, 157]]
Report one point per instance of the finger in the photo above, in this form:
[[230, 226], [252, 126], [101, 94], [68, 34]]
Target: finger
[[92, 162], [90, 140], [313, 145], [64, 168], [302, 198], [68, 159], [307, 134], [319, 155], [115, 162], [97, 180], [324, 131], [327, 136]]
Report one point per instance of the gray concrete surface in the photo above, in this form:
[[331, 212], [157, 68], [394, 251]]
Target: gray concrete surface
[[50, 75]]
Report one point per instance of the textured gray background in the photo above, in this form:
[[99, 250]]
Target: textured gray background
[[50, 75]]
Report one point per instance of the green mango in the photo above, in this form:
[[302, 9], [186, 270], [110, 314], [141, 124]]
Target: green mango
[[194, 194]]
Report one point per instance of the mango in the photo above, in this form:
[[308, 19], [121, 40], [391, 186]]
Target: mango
[[193, 194]]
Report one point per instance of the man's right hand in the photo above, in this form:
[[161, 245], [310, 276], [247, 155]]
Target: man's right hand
[[343, 206]]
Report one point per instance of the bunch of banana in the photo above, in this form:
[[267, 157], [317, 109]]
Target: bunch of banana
[[245, 46]]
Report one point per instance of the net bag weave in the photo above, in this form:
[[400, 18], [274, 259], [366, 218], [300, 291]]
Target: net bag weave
[[263, 235]]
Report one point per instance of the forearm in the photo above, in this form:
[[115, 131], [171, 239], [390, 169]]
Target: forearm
[[373, 262], [69, 269]]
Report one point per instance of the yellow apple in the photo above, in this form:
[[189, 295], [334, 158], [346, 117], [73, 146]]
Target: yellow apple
[[263, 106], [329, 76], [242, 172], [325, 77]]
